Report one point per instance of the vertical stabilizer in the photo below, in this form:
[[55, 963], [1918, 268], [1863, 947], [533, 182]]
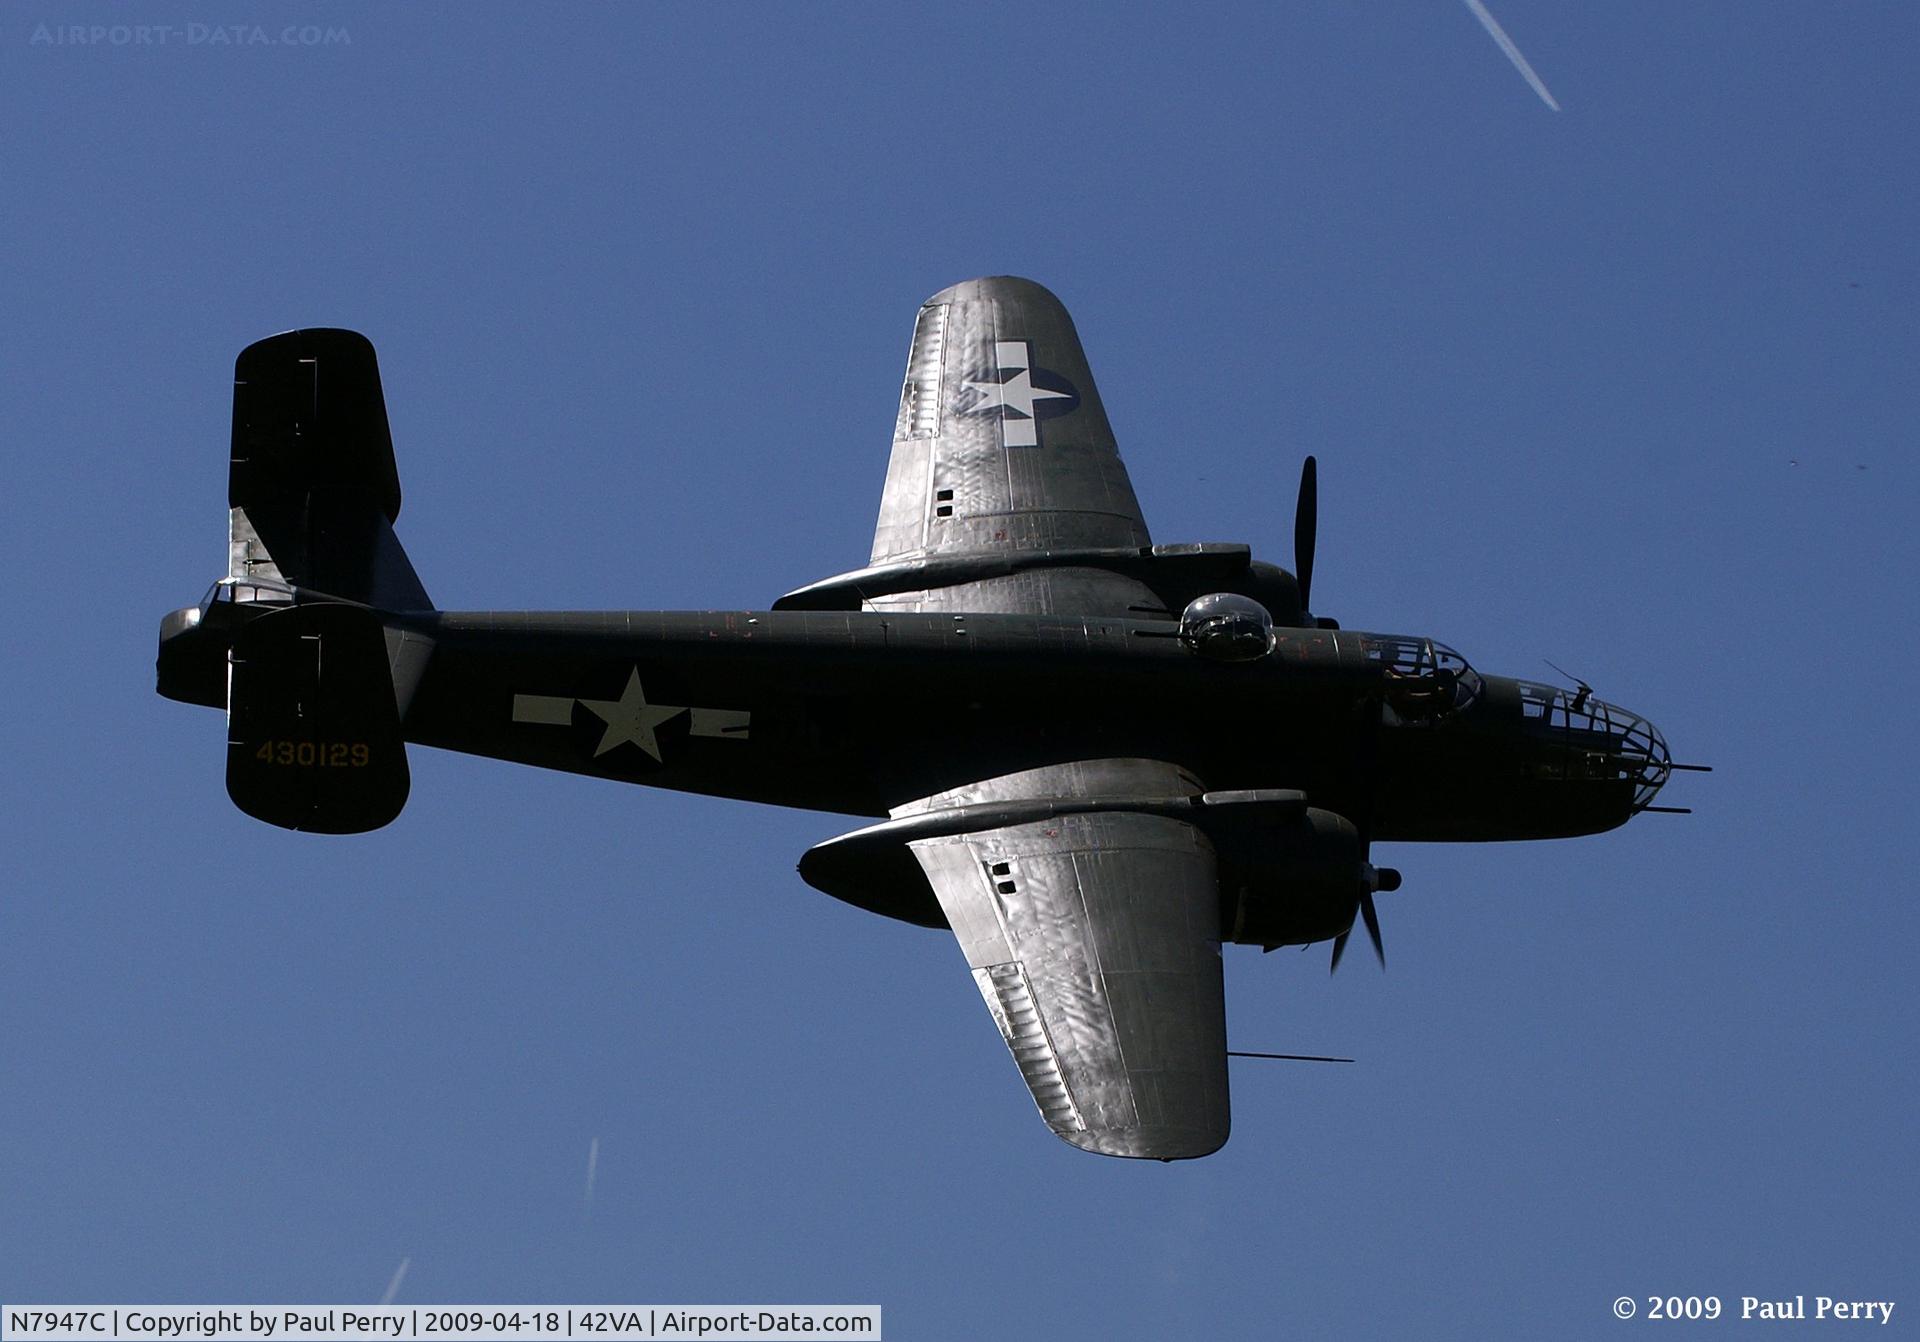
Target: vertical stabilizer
[[312, 486]]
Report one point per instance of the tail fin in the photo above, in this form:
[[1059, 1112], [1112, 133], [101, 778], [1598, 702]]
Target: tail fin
[[312, 488], [313, 728]]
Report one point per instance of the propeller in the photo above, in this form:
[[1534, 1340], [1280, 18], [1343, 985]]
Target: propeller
[[1372, 919], [1306, 522], [1382, 878], [1306, 526]]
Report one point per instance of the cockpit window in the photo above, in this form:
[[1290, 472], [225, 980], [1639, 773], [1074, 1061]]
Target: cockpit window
[[1607, 742], [1426, 680], [238, 590]]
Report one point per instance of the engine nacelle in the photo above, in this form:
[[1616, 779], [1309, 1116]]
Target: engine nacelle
[[1296, 882], [1289, 873]]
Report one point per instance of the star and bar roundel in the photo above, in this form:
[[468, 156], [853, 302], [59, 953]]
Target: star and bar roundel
[[632, 719], [1023, 394]]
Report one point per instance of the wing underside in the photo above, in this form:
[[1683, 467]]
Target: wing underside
[[1002, 446], [1094, 940]]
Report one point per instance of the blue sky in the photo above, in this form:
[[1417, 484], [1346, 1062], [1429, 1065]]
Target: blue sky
[[1631, 386]]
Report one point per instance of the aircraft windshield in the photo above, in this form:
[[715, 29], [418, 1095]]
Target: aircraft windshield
[[1426, 679], [235, 590]]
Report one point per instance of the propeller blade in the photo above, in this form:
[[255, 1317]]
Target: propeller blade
[[1373, 926], [1339, 949], [1306, 524]]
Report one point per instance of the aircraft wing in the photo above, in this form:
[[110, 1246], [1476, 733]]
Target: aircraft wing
[[1094, 938], [1001, 449]]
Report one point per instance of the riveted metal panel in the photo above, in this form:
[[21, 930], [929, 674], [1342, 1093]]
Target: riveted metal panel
[[1002, 441], [1094, 938]]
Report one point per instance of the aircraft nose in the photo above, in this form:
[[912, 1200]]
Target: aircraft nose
[[1641, 751], [1601, 741]]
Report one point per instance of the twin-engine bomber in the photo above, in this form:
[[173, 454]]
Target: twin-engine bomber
[[1093, 758]]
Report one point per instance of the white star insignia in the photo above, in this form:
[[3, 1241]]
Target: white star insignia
[[1015, 397], [631, 718], [1017, 393]]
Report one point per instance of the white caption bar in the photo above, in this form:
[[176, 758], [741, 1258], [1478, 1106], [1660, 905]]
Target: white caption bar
[[440, 1323]]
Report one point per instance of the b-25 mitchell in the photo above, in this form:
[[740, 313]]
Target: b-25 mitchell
[[1093, 758]]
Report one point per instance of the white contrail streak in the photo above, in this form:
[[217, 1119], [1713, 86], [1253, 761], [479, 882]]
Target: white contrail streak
[[1498, 34], [593, 1168], [399, 1275]]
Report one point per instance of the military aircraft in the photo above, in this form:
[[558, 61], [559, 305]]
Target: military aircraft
[[1097, 758]]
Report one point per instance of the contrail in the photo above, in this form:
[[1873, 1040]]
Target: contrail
[[593, 1167], [399, 1275], [1498, 34]]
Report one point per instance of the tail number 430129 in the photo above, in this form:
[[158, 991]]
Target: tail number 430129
[[315, 754]]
